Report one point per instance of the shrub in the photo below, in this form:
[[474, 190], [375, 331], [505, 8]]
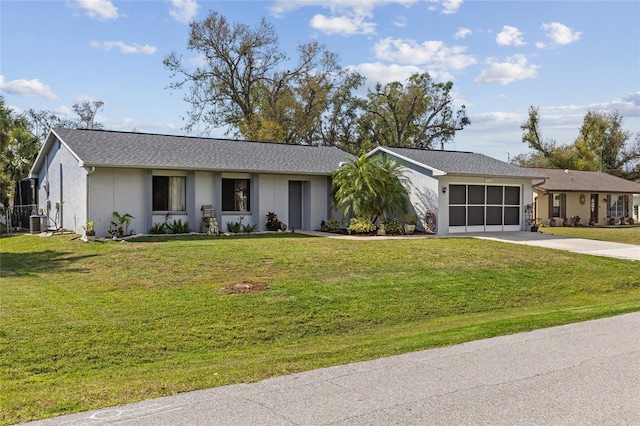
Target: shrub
[[393, 226], [234, 227], [333, 225], [273, 223], [177, 227], [361, 225], [159, 228], [249, 228]]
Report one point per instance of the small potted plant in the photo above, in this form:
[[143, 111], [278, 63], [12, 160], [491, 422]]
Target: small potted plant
[[535, 225], [410, 224], [576, 220], [565, 222], [552, 222], [89, 231]]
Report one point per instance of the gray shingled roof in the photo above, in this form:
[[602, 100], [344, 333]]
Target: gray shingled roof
[[584, 181], [463, 163], [101, 148]]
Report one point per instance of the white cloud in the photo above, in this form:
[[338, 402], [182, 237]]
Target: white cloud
[[463, 33], [344, 25], [347, 17], [124, 48], [451, 6], [628, 106], [560, 34], [400, 22], [281, 7], [509, 36], [22, 87], [99, 9], [378, 72], [513, 69], [184, 10], [432, 53]]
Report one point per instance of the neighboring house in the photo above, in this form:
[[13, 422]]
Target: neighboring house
[[466, 192], [589, 195], [83, 175]]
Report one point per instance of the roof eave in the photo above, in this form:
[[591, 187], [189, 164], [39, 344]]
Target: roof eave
[[436, 172]]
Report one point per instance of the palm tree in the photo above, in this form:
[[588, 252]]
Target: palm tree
[[19, 148], [370, 187]]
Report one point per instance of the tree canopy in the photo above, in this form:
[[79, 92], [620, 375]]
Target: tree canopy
[[248, 86], [19, 148], [602, 144], [415, 115]]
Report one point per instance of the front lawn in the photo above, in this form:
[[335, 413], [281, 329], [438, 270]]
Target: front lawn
[[84, 326], [618, 234]]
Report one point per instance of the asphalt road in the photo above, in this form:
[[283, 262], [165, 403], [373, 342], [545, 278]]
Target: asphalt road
[[578, 374]]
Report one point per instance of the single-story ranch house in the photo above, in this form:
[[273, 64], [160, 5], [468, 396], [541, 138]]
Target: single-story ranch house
[[593, 196], [466, 192], [86, 175]]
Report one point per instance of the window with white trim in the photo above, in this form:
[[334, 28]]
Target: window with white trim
[[617, 206]]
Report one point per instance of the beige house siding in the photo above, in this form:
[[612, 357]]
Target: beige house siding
[[579, 204]]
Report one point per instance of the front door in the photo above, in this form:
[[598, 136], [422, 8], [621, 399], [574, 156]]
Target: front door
[[295, 204], [593, 207]]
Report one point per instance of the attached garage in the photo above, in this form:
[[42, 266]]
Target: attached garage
[[467, 192], [482, 208]]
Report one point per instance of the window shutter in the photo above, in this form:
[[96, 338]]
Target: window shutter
[[563, 205], [626, 205]]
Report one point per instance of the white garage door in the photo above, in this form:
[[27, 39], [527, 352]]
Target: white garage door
[[484, 208]]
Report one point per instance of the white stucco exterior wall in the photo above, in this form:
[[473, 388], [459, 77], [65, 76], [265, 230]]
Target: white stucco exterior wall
[[65, 181], [116, 190], [274, 197]]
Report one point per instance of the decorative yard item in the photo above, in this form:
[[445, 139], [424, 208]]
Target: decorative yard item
[[89, 231]]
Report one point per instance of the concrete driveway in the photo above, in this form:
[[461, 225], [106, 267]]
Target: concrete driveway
[[576, 245], [540, 239], [578, 374]]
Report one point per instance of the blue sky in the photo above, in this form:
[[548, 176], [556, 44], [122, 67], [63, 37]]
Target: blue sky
[[566, 57]]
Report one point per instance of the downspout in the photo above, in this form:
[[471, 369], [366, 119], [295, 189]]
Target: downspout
[[535, 205]]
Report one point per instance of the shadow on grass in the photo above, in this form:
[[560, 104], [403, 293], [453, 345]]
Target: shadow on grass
[[27, 264], [221, 237]]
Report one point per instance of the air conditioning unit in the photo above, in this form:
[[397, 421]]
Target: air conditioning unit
[[38, 223]]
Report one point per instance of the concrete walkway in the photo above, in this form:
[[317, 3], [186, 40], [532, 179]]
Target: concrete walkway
[[579, 374]]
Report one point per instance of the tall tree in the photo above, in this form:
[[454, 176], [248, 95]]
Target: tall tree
[[605, 145], [602, 144], [245, 84], [19, 148], [40, 122], [418, 114], [87, 111]]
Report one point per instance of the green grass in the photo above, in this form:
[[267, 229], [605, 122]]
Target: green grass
[[618, 234], [84, 326]]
